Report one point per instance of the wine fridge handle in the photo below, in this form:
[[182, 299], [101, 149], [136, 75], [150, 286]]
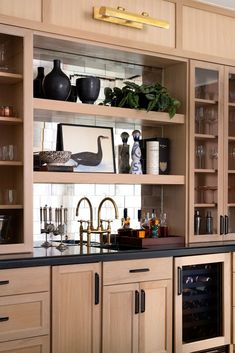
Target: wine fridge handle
[[221, 225], [226, 224], [179, 279], [137, 302]]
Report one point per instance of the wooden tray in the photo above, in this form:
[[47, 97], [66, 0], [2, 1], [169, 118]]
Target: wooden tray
[[150, 242]]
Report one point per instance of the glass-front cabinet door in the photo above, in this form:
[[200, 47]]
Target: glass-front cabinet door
[[229, 151], [206, 152]]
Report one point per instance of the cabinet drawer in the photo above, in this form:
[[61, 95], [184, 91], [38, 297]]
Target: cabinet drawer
[[23, 316], [73, 14], [28, 345], [129, 271], [24, 280]]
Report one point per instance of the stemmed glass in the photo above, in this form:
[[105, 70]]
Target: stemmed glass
[[233, 155], [199, 117], [200, 152], [211, 119], [213, 156]]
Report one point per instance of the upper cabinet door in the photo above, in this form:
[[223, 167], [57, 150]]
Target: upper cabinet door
[[206, 152], [78, 15], [25, 9]]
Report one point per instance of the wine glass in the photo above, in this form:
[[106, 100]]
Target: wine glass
[[213, 154], [211, 119], [233, 155], [199, 117], [200, 153]]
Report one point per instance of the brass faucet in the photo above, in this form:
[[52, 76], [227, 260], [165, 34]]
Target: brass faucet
[[90, 228]]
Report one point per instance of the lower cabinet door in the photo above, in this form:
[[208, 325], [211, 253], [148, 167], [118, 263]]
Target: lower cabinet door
[[76, 308], [120, 318], [30, 345], [155, 328]]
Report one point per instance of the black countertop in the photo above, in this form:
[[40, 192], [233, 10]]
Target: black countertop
[[75, 254]]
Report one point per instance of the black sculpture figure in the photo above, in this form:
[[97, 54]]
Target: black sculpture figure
[[90, 158]]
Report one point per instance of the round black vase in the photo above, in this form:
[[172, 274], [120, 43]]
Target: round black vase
[[37, 83], [56, 85], [88, 89]]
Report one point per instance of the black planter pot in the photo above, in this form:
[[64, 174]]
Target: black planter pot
[[37, 83], [88, 89], [56, 85]]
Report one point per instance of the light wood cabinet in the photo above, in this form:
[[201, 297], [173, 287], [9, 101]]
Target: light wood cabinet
[[25, 9], [212, 155], [25, 310], [75, 15], [16, 151], [76, 308], [131, 309], [202, 293]]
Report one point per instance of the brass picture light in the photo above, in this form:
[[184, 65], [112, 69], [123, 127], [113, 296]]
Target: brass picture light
[[122, 17]]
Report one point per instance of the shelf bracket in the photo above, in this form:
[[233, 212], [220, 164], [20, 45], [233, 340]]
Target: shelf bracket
[[122, 17]]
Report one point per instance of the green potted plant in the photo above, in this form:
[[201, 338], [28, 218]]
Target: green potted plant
[[153, 97]]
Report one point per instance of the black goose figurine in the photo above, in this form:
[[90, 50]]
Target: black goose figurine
[[90, 158]]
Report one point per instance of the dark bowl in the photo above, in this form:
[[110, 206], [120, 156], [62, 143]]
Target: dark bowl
[[88, 89]]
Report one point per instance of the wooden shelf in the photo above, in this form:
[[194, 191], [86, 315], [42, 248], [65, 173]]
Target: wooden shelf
[[231, 138], [232, 204], [205, 136], [46, 109], [231, 171], [11, 163], [205, 170], [10, 120], [11, 207], [205, 101], [205, 205], [10, 78], [104, 178]]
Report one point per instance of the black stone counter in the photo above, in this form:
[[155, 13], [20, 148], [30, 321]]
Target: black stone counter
[[76, 255]]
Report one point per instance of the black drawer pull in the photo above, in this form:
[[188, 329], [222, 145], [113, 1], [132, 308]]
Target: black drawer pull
[[4, 282], [97, 288], [137, 302], [4, 318], [139, 270], [142, 305]]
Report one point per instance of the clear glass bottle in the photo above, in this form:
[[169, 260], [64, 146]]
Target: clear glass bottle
[[163, 231], [209, 223]]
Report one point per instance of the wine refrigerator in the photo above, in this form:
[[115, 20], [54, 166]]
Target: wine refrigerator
[[202, 303]]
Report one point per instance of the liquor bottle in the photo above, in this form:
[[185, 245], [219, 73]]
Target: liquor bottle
[[197, 223], [146, 225], [163, 226], [209, 223], [125, 220], [154, 225]]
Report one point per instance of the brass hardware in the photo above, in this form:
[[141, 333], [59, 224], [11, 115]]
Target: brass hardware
[[122, 17], [90, 228]]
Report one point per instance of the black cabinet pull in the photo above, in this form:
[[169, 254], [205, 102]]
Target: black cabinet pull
[[225, 224], [4, 282], [221, 225], [139, 270], [97, 288], [137, 302], [4, 318], [179, 278], [142, 305]]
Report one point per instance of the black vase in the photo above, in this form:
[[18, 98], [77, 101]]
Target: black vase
[[37, 83], [88, 89], [73, 94], [56, 85]]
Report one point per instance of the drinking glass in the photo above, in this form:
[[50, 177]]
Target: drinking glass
[[199, 117], [213, 156], [10, 196], [211, 119], [233, 156], [200, 153]]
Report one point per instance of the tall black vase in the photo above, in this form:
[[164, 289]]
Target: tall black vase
[[37, 83], [56, 85]]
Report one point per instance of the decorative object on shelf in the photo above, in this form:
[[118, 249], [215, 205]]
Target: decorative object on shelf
[[153, 97], [124, 154], [92, 147], [73, 94], [88, 89], [125, 18], [56, 84], [152, 157], [136, 167], [197, 223], [3, 59], [164, 148], [4, 229], [54, 226], [37, 83], [54, 157]]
